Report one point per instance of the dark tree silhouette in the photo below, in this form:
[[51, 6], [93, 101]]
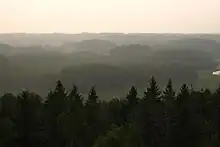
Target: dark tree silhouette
[[189, 119], [92, 107], [153, 92], [168, 93]]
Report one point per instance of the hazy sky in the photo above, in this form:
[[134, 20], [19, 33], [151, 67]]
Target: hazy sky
[[74, 16]]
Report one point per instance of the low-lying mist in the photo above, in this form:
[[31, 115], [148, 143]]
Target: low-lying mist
[[111, 62]]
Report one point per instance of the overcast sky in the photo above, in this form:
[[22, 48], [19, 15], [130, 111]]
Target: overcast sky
[[74, 16]]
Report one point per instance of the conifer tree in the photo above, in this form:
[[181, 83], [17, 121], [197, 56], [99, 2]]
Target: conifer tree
[[132, 97], [184, 91], [56, 100], [130, 104], [169, 115], [72, 121], [187, 126], [29, 119], [153, 91], [75, 98], [55, 105], [92, 97], [168, 93], [92, 107], [183, 96], [92, 116], [151, 119]]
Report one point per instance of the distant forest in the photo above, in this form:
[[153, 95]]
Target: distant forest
[[110, 61], [103, 96], [159, 118]]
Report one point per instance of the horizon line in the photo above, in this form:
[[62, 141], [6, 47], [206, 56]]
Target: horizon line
[[188, 33]]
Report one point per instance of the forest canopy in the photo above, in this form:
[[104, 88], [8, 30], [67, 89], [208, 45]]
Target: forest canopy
[[161, 117]]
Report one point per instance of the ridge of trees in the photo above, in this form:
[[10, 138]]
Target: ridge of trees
[[160, 118]]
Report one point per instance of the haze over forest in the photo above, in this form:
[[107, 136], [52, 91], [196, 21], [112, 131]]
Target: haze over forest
[[110, 61], [97, 90], [36, 56], [109, 73]]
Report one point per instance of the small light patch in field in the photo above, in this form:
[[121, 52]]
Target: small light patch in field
[[216, 73]]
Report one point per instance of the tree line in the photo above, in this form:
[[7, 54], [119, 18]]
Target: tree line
[[160, 118]]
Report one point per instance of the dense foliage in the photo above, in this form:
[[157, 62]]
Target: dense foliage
[[159, 118]]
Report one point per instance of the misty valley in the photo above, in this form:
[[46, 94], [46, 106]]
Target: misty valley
[[109, 90], [110, 62]]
